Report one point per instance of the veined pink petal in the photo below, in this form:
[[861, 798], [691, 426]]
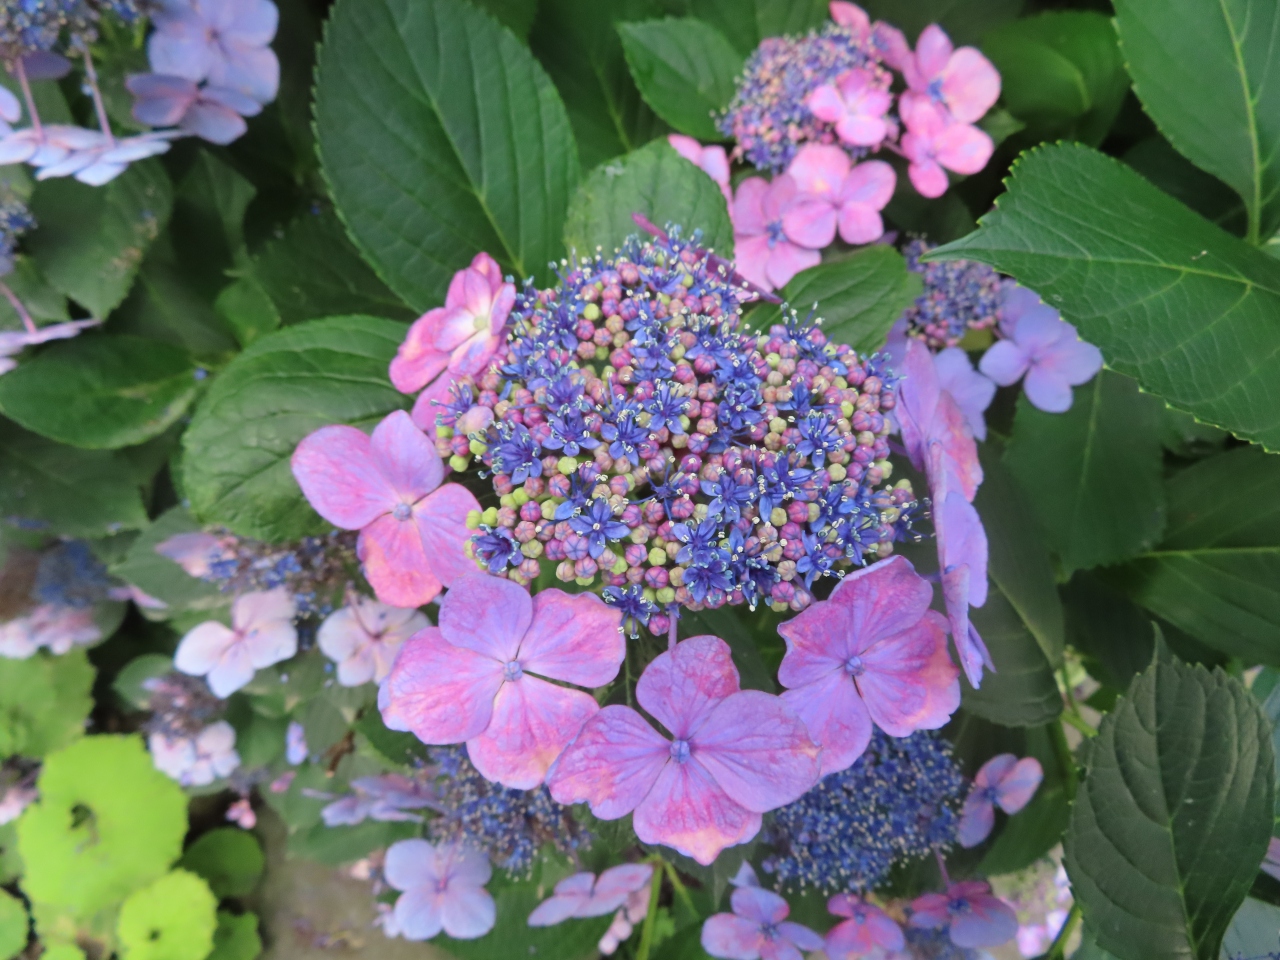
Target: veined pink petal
[[687, 147], [611, 765], [909, 682], [786, 260], [757, 750], [683, 685], [1072, 359], [977, 819], [951, 457], [338, 475], [917, 401], [861, 130], [417, 914], [442, 526], [472, 356], [811, 222], [836, 718], [395, 563], [731, 937], [751, 257], [689, 811], [405, 457], [970, 649], [489, 615], [970, 85], [533, 721], [419, 360], [575, 638], [442, 693], [963, 148], [233, 671], [783, 191], [962, 540], [458, 324], [867, 928]]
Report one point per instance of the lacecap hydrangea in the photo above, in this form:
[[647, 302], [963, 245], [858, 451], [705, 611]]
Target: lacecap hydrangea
[[644, 441]]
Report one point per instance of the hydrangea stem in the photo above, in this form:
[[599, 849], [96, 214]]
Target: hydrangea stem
[[680, 889], [18, 307], [651, 918], [1058, 949], [98, 104], [21, 71]]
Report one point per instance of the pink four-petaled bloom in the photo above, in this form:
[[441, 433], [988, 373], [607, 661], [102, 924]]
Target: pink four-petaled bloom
[[443, 889], [867, 929], [971, 390], [872, 653], [734, 755], [974, 916], [261, 634], [763, 253], [712, 160], [1004, 780], [833, 194], [476, 678], [934, 143], [583, 895], [458, 339], [413, 531], [757, 928], [1044, 348], [856, 103], [962, 81], [929, 417], [364, 638]]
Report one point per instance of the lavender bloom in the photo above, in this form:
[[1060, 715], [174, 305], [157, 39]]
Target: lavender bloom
[[212, 113], [222, 41], [199, 760], [443, 890], [295, 743], [389, 797], [971, 390]]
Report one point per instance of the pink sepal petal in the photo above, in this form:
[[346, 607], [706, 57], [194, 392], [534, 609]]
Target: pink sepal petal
[[760, 905], [682, 686], [611, 765], [1019, 785], [430, 401], [467, 912], [910, 682], [395, 563], [489, 615], [836, 718], [615, 885], [970, 85], [442, 526], [977, 819], [575, 638], [800, 935], [533, 721], [963, 148], [786, 260], [989, 922], [811, 223], [442, 693], [688, 811], [757, 750], [731, 937], [405, 457], [338, 476], [926, 175]]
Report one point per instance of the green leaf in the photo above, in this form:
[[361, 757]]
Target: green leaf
[[99, 392], [106, 823], [337, 845], [1216, 575], [657, 182], [516, 15], [577, 42], [172, 919], [131, 682], [1155, 158], [236, 937], [237, 449], [1021, 622], [1173, 301], [1109, 629], [230, 860], [162, 578], [44, 702], [92, 240], [1061, 72], [14, 926], [467, 149], [397, 747], [1182, 434], [685, 70], [85, 493], [1174, 815], [1092, 474], [43, 303], [1205, 72], [313, 270], [858, 297], [207, 226], [247, 309], [171, 305], [747, 22], [965, 21]]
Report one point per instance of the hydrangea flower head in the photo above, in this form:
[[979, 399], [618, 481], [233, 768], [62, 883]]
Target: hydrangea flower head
[[734, 754], [388, 486], [766, 253], [460, 337], [856, 103], [970, 914], [443, 889], [364, 638], [874, 653], [959, 296], [583, 895], [897, 803], [866, 929], [1042, 347], [261, 633], [477, 678], [962, 82], [1004, 780], [712, 160], [199, 760], [832, 193], [934, 143], [222, 41], [641, 441], [758, 929]]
